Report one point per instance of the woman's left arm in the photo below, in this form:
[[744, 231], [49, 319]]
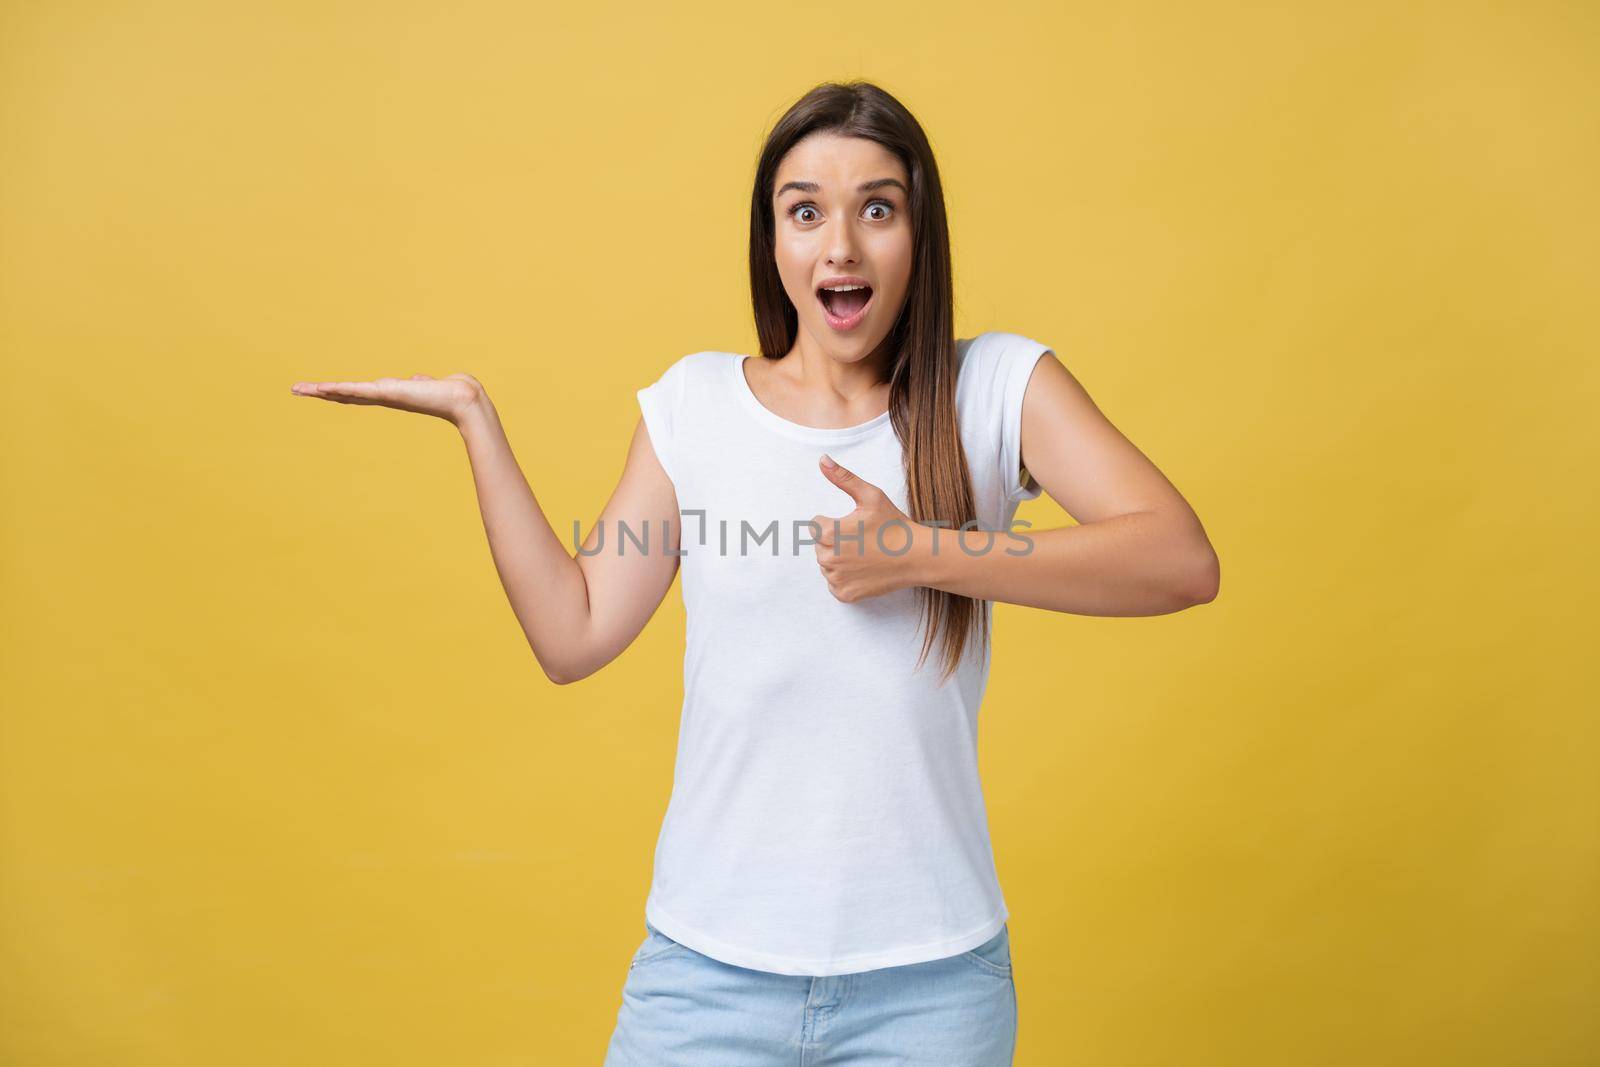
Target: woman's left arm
[[1139, 548]]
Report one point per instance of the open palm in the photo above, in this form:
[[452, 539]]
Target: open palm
[[446, 398]]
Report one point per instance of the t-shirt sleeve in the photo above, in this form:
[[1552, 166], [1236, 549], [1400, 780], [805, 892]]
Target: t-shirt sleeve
[[1014, 358], [659, 404]]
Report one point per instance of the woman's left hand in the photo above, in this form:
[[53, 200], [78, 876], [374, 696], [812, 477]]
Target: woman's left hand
[[870, 551]]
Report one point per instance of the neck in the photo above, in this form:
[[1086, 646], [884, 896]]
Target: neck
[[809, 366]]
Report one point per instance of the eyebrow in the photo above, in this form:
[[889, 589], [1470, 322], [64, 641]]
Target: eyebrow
[[864, 187]]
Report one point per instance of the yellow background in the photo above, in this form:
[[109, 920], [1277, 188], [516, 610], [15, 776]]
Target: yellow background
[[281, 782]]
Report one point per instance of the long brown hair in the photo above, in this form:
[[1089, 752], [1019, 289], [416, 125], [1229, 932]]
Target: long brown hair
[[922, 381]]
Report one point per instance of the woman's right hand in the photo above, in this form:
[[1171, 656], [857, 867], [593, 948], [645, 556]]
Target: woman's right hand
[[446, 398]]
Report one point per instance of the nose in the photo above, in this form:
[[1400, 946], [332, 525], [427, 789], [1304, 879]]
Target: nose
[[842, 242]]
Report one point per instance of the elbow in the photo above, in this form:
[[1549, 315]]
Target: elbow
[[1205, 578], [561, 674], [566, 677], [571, 661]]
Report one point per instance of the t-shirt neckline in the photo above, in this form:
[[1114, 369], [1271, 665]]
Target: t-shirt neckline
[[770, 418]]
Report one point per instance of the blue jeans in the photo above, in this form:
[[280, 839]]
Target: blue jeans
[[682, 1007]]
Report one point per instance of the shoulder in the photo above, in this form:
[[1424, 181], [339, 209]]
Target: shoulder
[[667, 405], [994, 367], [682, 376], [997, 348], [990, 385], [695, 363]]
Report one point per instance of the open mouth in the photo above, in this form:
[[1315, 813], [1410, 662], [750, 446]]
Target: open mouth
[[845, 309]]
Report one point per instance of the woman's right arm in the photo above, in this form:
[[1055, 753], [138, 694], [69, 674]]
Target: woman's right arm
[[577, 612]]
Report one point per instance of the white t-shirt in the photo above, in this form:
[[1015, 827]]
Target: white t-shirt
[[826, 814]]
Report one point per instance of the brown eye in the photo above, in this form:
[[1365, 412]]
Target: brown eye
[[806, 205]]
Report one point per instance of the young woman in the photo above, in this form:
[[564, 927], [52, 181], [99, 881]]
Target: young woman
[[842, 507]]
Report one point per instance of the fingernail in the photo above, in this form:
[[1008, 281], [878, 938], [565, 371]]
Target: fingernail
[[827, 461]]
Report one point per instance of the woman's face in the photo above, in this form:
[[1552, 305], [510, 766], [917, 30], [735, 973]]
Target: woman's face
[[841, 207]]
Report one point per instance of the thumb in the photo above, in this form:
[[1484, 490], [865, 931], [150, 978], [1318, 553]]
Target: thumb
[[860, 490]]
